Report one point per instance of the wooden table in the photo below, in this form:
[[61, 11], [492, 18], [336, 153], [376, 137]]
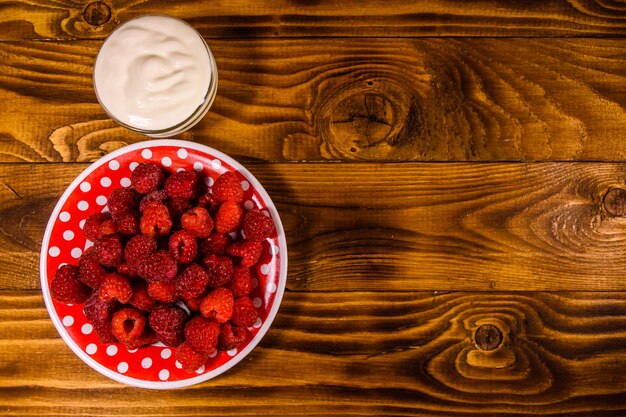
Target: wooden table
[[451, 178]]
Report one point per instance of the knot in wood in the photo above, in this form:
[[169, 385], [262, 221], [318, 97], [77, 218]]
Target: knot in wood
[[615, 202], [488, 337], [97, 13]]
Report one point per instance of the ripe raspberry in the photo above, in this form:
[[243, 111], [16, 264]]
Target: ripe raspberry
[[220, 269], [227, 187], [155, 221], [98, 225], [167, 321], [218, 304], [192, 282], [141, 299], [159, 266], [67, 288], [115, 286], [157, 196], [241, 282], [202, 334], [257, 227], [164, 292], [147, 177], [183, 246], [109, 251], [232, 337], [206, 201], [215, 243], [98, 311], [228, 217], [122, 201], [197, 221], [127, 324], [182, 184], [249, 252], [178, 206], [127, 224], [189, 358], [89, 270], [147, 338], [244, 313], [138, 248], [193, 304], [104, 332], [126, 269]]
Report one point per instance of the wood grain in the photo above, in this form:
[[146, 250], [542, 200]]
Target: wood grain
[[36, 19], [368, 100], [364, 353], [449, 226]]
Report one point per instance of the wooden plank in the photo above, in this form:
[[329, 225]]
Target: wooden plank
[[368, 100], [363, 353], [36, 19], [419, 226]]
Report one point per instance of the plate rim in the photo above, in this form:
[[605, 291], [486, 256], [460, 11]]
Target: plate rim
[[282, 278]]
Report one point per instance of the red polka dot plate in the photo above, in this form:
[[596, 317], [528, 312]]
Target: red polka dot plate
[[153, 366]]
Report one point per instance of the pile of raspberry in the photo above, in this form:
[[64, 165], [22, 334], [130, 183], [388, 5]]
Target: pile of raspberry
[[166, 240]]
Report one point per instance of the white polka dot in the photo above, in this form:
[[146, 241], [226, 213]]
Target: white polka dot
[[166, 353], [198, 166], [213, 354], [91, 348], [245, 185], [209, 181], [164, 374], [146, 154], [182, 153], [133, 165], [146, 363], [105, 181], [200, 369], [83, 205], [111, 350], [88, 244], [68, 321], [265, 269], [85, 186], [101, 200], [125, 182], [122, 367], [54, 251], [132, 350], [255, 283], [178, 365], [216, 164], [248, 205], [271, 287], [257, 323], [86, 329], [62, 264], [257, 302], [232, 352], [233, 235], [64, 216], [68, 235], [166, 161], [114, 165], [180, 169], [274, 250], [81, 224], [76, 252], [106, 210], [266, 213]]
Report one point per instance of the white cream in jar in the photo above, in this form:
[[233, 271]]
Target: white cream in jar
[[155, 74]]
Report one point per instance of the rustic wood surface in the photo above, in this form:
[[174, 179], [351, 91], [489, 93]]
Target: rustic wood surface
[[452, 180]]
